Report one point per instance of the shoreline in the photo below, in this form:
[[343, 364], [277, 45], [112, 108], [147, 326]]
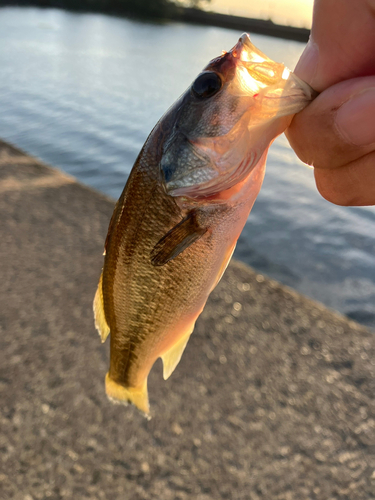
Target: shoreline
[[259, 26], [273, 397], [189, 16]]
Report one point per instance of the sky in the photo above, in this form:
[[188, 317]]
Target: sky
[[290, 12]]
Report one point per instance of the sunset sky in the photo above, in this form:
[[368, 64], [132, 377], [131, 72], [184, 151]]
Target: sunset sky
[[291, 12]]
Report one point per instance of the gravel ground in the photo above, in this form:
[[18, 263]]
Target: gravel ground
[[273, 398]]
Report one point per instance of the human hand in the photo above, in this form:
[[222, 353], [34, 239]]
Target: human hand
[[336, 132]]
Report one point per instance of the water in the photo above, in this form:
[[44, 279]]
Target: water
[[82, 92]]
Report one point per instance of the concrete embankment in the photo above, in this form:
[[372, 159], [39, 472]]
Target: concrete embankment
[[273, 398]]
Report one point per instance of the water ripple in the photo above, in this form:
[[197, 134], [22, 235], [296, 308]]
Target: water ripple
[[82, 92]]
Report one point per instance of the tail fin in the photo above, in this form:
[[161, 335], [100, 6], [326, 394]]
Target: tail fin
[[100, 321], [119, 394]]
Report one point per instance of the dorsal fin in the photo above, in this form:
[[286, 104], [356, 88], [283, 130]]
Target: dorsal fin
[[100, 321], [180, 237]]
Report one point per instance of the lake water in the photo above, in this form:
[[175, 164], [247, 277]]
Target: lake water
[[82, 92]]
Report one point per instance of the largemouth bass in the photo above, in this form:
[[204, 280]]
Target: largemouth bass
[[187, 199]]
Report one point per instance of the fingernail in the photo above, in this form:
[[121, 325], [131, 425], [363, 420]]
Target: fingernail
[[308, 63], [355, 119]]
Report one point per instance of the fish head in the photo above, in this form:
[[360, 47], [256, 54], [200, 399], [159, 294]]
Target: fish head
[[219, 129]]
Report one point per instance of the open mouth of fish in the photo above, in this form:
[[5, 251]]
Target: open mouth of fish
[[254, 102], [259, 72]]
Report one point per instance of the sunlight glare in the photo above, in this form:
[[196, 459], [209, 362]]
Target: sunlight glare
[[289, 12]]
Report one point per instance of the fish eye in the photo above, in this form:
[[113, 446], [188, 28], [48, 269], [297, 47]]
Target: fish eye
[[207, 84]]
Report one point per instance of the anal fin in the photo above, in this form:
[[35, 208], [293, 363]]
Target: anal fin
[[100, 321], [178, 239], [172, 357]]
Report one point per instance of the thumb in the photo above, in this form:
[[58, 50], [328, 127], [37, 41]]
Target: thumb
[[341, 44], [338, 127], [336, 134]]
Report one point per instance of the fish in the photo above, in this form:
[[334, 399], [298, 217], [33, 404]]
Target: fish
[[189, 194]]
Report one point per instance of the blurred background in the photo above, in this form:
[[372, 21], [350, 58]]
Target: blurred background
[[82, 91], [288, 12]]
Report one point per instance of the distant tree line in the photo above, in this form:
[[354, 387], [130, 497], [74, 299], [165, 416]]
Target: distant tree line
[[141, 8]]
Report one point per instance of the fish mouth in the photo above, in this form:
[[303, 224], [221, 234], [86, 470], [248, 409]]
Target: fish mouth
[[283, 92], [245, 50]]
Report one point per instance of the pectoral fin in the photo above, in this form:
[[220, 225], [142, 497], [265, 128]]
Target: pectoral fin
[[172, 357], [100, 321], [180, 237]]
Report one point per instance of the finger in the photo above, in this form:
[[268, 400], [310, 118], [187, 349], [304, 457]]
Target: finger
[[341, 45], [338, 127], [352, 185]]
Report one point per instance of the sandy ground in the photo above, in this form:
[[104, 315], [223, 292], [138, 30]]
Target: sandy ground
[[273, 398]]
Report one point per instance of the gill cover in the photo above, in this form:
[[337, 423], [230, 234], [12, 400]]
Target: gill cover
[[226, 120]]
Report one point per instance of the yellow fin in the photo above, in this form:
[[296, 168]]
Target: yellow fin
[[100, 321], [119, 394], [172, 357], [224, 264]]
